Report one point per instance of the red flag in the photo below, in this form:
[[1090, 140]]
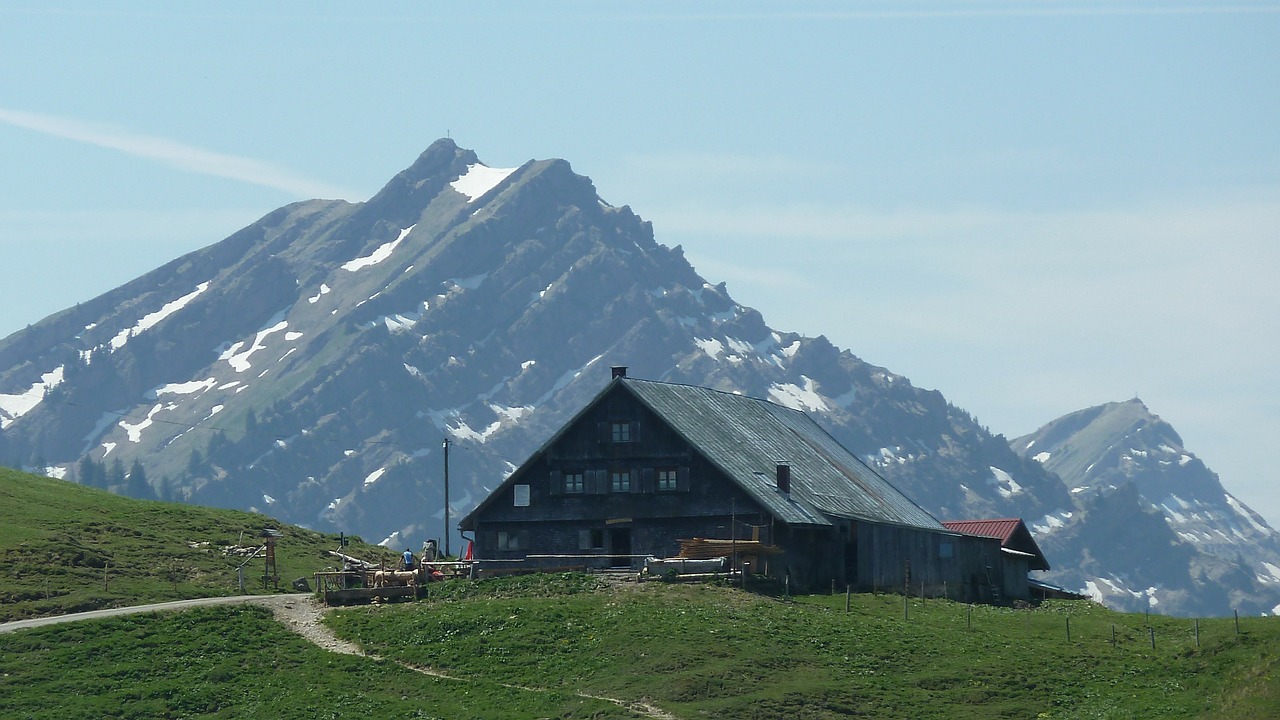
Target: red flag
[[468, 555]]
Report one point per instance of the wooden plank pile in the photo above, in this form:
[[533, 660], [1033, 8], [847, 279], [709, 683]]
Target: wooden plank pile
[[705, 548]]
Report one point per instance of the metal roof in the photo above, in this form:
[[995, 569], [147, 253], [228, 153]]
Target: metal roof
[[1011, 532], [1002, 529], [747, 438]]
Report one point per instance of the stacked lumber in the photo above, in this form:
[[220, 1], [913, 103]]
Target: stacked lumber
[[706, 548]]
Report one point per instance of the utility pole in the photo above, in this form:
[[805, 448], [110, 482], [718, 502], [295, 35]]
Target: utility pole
[[446, 497]]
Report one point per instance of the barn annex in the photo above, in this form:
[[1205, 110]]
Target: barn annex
[[647, 464]]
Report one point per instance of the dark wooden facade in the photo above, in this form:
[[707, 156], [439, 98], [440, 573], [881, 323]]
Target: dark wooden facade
[[631, 476], [618, 482]]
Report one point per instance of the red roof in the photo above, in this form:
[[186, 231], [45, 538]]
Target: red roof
[[1011, 532], [1000, 529]]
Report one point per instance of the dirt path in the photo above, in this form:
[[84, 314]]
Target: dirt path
[[154, 607], [302, 614]]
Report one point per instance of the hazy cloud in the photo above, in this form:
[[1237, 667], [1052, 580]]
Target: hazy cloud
[[175, 154]]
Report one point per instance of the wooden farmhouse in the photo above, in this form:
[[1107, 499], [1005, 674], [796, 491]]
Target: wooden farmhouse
[[647, 465]]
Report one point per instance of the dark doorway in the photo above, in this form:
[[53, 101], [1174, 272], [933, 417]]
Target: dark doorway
[[620, 547]]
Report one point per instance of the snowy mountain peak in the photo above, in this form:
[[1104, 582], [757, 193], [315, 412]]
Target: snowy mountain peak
[[312, 363], [1121, 454]]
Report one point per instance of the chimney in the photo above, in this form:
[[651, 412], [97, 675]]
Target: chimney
[[784, 477], [619, 371]]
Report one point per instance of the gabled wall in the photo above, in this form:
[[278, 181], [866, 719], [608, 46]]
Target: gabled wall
[[671, 492]]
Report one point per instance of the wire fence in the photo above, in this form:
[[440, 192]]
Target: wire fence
[[1079, 622]]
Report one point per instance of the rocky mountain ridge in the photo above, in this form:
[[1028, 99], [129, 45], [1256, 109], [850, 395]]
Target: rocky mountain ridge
[[1171, 533], [313, 363]]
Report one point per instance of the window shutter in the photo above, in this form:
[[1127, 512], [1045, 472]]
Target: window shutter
[[556, 483], [682, 478], [602, 432], [635, 431], [597, 481], [584, 539], [647, 482], [637, 485]]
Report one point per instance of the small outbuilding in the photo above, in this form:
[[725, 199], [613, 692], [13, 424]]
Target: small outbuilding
[[646, 466], [1020, 552]]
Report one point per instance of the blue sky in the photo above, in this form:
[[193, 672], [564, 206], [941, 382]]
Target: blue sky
[[1033, 207]]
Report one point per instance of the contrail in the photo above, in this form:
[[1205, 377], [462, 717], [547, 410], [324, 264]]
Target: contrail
[[175, 154]]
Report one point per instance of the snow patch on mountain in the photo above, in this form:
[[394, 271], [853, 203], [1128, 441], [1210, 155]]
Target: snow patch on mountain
[[1004, 482], [479, 179], [381, 253], [184, 388], [324, 290], [1271, 574], [397, 323], [149, 320], [1114, 586], [239, 361], [512, 414], [1243, 512], [134, 431], [563, 381], [16, 405], [372, 477], [710, 346], [1052, 522], [887, 457], [796, 397]]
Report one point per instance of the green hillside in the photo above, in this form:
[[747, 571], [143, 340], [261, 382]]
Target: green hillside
[[701, 651], [570, 646], [236, 662], [68, 548], [562, 646]]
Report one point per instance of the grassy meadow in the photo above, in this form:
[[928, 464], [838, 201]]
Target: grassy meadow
[[236, 662], [69, 548], [702, 651], [560, 645]]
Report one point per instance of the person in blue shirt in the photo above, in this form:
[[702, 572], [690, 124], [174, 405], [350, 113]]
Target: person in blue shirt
[[408, 559]]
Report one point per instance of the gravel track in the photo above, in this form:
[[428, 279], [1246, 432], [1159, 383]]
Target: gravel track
[[302, 614]]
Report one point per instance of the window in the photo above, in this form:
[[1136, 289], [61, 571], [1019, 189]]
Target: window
[[620, 480], [946, 550], [574, 482], [521, 496], [667, 478], [508, 540], [621, 432]]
